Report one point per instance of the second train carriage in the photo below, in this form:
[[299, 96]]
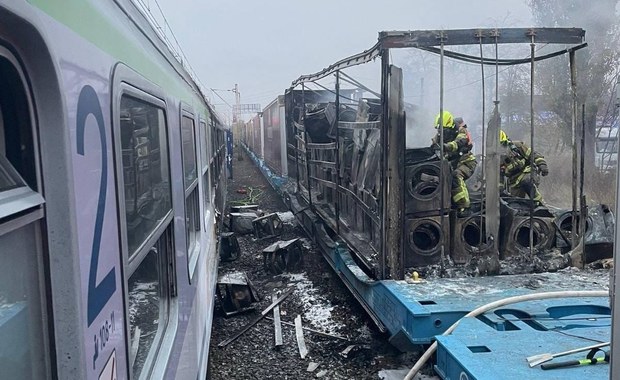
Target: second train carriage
[[351, 183], [111, 186]]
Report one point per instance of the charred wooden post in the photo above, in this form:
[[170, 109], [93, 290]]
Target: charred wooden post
[[393, 184]]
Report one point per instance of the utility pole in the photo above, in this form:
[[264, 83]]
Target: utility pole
[[236, 118]]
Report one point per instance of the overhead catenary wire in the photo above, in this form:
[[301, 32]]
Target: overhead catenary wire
[[219, 96], [498, 61], [494, 305]]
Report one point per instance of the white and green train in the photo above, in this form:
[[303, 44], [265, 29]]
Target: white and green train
[[111, 183]]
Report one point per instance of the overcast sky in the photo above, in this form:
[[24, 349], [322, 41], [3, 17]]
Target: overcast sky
[[264, 45]]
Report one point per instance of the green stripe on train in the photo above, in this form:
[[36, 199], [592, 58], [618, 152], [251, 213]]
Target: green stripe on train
[[87, 19]]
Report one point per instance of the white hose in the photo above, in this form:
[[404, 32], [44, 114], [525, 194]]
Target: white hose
[[493, 305]]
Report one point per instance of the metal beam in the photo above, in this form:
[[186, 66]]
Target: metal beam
[[354, 60], [393, 182], [427, 38]]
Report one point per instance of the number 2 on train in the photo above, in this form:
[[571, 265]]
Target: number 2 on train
[[98, 294]]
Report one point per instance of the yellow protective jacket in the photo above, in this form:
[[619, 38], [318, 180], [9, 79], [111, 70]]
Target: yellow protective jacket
[[517, 161], [458, 145]]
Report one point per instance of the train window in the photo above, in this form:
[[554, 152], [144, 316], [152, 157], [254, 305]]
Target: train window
[[23, 336], [192, 202], [18, 176], [189, 151], [145, 169], [204, 149], [205, 169], [148, 305]]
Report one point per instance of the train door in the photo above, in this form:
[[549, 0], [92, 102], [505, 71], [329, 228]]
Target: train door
[[24, 340], [146, 222]]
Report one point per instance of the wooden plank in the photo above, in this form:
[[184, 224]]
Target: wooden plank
[[257, 319], [299, 333], [276, 322]]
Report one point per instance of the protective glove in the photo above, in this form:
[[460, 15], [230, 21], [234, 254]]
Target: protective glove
[[544, 170], [447, 148]]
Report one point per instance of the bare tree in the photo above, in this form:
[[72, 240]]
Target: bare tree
[[597, 65]]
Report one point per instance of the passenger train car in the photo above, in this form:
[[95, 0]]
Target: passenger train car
[[111, 185]]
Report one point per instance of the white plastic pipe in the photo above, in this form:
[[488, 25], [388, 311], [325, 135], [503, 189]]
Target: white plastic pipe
[[493, 305]]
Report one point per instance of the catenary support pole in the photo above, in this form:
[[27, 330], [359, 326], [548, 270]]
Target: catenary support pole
[[532, 168], [573, 86]]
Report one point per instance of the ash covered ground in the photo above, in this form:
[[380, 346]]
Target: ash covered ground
[[319, 297]]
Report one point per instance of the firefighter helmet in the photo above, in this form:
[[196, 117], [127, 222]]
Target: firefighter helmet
[[503, 138], [448, 120]]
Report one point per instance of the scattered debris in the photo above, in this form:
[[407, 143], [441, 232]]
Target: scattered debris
[[236, 293], [317, 309], [253, 355], [321, 373], [299, 333], [257, 319], [312, 330], [312, 366], [242, 191], [287, 217], [229, 247], [283, 256], [276, 322], [244, 208], [346, 351], [241, 222], [267, 226]]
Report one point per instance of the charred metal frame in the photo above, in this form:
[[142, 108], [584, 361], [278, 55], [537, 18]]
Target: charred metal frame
[[392, 154]]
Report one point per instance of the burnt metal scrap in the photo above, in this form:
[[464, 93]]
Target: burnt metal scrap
[[430, 38], [267, 226], [598, 232], [242, 222], [229, 247], [283, 256], [391, 206], [257, 319], [515, 227], [236, 293]]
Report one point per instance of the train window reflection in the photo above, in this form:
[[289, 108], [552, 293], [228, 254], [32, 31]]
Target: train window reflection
[[22, 335], [607, 145], [192, 221], [147, 306], [204, 154], [189, 150], [145, 168]]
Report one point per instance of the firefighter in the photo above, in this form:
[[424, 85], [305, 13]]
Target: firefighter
[[457, 149], [516, 168]]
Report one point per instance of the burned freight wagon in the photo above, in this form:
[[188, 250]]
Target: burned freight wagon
[[365, 183]]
